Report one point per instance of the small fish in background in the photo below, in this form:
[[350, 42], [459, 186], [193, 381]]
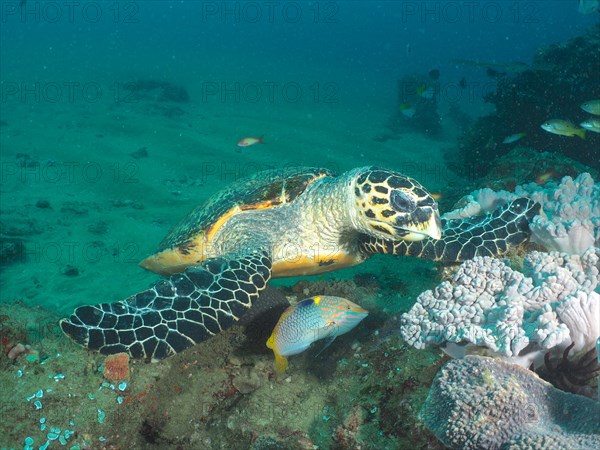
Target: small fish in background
[[407, 110], [589, 6], [315, 318], [513, 138], [248, 141], [563, 128], [425, 91], [543, 178], [592, 107], [434, 74], [592, 125], [437, 195]]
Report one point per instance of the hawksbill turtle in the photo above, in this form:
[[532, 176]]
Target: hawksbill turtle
[[275, 224]]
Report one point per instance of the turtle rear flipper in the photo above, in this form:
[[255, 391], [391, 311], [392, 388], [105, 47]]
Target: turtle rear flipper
[[175, 313], [492, 234]]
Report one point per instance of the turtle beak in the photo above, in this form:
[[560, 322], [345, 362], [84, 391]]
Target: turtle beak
[[434, 227], [430, 228]]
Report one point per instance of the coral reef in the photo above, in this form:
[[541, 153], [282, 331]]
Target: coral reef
[[479, 402], [361, 392], [377, 409], [570, 217], [522, 165], [346, 434], [561, 78], [515, 315]]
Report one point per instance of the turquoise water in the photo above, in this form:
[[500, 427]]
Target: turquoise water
[[117, 118]]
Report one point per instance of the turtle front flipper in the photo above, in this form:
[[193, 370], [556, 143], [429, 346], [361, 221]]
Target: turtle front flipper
[[177, 312], [492, 234]]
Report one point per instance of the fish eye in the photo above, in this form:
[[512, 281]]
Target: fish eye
[[401, 202]]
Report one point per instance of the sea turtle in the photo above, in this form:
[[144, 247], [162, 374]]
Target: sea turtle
[[276, 224]]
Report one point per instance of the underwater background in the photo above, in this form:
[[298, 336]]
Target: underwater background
[[119, 117]]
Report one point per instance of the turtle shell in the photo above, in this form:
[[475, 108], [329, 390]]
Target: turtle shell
[[182, 247]]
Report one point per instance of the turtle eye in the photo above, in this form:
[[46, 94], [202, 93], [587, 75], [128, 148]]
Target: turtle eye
[[401, 202]]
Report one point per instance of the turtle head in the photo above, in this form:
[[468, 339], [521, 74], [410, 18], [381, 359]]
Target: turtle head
[[392, 206]]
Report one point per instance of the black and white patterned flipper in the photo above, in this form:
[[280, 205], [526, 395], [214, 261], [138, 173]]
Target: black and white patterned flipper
[[492, 234], [177, 312]]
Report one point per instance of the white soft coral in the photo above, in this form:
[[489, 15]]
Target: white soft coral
[[519, 316]]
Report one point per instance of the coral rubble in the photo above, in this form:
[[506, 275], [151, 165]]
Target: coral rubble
[[116, 367]]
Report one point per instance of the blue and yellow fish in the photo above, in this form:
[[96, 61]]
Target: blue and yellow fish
[[312, 319]]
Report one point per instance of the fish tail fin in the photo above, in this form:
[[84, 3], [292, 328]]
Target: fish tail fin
[[260, 139], [281, 363], [581, 133]]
